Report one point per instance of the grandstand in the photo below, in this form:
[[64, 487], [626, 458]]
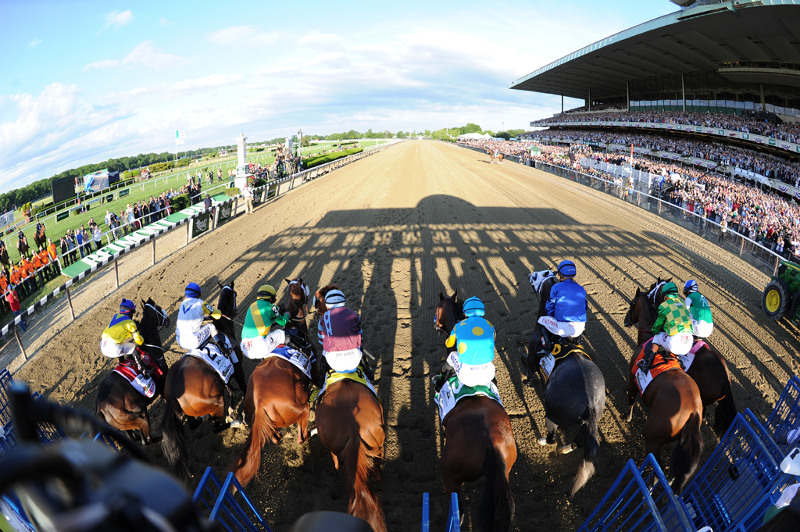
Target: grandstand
[[723, 72]]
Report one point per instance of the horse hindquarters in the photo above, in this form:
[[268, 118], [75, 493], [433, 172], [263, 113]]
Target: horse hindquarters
[[496, 507], [172, 444], [686, 455]]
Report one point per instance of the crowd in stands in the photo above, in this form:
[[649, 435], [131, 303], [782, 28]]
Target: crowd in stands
[[764, 217], [722, 154], [746, 124]]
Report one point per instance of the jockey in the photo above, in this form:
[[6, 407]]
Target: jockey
[[672, 328], [566, 307], [190, 331], [257, 340], [122, 336], [473, 340], [700, 311], [339, 332]]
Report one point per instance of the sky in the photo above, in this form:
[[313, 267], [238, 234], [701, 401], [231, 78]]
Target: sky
[[84, 81]]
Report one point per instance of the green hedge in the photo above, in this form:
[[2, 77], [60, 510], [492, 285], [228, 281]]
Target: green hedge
[[311, 162], [231, 192], [180, 202]]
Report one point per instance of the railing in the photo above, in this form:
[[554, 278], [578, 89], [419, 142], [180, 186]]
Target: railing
[[262, 193]]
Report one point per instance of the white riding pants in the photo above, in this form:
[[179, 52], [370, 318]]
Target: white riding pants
[[189, 339], [702, 329], [261, 346], [112, 349], [677, 344], [568, 329]]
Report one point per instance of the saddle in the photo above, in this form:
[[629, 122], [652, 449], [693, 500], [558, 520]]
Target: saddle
[[142, 383], [663, 361], [331, 377], [562, 348], [453, 391]]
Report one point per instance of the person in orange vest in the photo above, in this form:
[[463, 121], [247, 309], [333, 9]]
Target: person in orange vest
[[37, 267], [27, 275], [15, 278], [3, 290], [52, 250], [44, 256]]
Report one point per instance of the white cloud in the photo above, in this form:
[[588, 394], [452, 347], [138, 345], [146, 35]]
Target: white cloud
[[35, 42], [118, 19], [144, 55], [243, 36], [164, 22], [214, 80]]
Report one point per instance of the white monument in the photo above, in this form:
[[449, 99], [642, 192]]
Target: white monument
[[240, 179]]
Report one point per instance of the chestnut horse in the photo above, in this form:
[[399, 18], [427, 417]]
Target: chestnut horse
[[118, 403], [278, 394], [195, 389], [492, 156], [350, 425], [478, 441], [676, 408], [708, 369]]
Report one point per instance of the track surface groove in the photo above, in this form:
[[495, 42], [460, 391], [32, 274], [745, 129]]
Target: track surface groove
[[395, 229]]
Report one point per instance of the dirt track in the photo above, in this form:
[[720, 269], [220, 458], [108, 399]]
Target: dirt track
[[395, 229]]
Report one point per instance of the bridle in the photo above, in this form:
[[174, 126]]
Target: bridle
[[163, 319]]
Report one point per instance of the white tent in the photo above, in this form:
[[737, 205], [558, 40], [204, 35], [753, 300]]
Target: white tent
[[474, 136]]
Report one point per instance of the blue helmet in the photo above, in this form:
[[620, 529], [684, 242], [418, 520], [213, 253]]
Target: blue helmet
[[567, 268], [474, 307], [192, 290], [127, 306], [690, 286]]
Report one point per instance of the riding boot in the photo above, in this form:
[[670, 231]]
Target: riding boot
[[238, 375], [647, 361], [546, 343], [140, 367], [447, 372], [322, 371], [161, 362]]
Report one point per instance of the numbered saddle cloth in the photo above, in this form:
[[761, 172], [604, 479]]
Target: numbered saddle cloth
[[141, 383], [453, 391], [296, 357], [212, 356], [560, 352], [660, 365], [357, 375], [687, 359]]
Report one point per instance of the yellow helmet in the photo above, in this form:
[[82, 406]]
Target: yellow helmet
[[267, 292]]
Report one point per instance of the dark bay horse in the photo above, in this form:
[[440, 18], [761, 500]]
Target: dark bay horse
[[118, 403], [709, 369], [195, 389], [297, 304], [574, 396], [676, 408], [478, 441], [349, 422], [277, 395]]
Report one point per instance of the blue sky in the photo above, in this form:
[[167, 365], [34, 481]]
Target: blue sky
[[84, 81]]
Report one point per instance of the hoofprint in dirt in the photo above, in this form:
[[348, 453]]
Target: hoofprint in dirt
[[394, 230]]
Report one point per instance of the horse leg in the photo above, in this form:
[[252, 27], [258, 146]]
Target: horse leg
[[633, 393], [551, 433], [302, 427]]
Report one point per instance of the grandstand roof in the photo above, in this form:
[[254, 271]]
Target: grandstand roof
[[743, 40]]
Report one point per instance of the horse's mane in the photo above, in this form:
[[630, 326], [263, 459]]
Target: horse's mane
[[227, 299]]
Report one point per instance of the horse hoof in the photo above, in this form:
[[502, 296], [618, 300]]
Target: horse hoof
[[568, 448], [543, 441], [236, 423]]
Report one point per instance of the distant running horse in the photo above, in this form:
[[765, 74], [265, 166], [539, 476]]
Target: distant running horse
[[118, 403], [495, 154], [350, 421], [478, 441]]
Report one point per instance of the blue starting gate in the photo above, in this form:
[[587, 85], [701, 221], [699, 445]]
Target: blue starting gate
[[453, 514], [640, 499], [784, 421], [227, 504]]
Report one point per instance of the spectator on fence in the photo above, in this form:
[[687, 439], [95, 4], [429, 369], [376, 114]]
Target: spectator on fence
[[37, 268], [79, 242], [87, 241], [98, 237], [27, 273], [44, 259], [73, 254], [14, 277], [108, 218], [207, 202], [130, 217], [12, 297], [3, 289]]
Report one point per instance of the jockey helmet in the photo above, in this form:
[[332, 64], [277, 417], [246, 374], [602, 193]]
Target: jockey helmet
[[334, 299], [266, 291], [127, 306], [689, 287], [192, 290], [567, 268], [669, 289], [474, 307]]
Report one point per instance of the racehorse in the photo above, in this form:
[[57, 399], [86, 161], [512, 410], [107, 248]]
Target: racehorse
[[495, 155], [708, 369], [118, 403], [40, 238], [350, 425], [277, 395], [574, 395], [478, 441], [195, 389], [676, 409]]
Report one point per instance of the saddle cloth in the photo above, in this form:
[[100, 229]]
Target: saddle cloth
[[687, 359], [211, 355], [334, 377], [297, 358], [141, 383], [453, 391], [559, 353], [660, 365]]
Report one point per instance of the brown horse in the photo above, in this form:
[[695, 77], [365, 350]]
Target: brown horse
[[118, 403], [708, 369], [478, 441], [277, 397], [40, 238], [297, 304], [499, 156], [195, 389], [350, 425], [676, 409]]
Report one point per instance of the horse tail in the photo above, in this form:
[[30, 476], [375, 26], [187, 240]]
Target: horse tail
[[686, 455], [496, 508], [172, 444], [358, 466], [249, 460], [726, 409], [590, 437]]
